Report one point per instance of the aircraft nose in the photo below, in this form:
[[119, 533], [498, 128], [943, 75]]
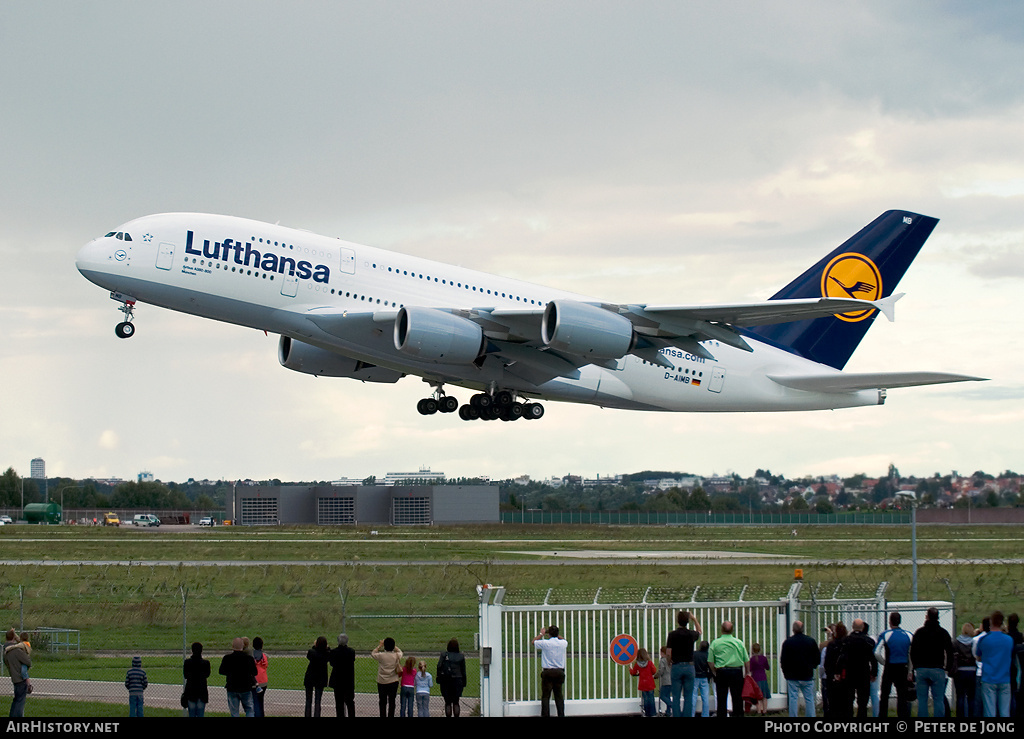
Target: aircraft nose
[[94, 260], [87, 256]]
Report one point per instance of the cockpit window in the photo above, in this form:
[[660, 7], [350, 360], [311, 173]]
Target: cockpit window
[[120, 235], [127, 236], [110, 234]]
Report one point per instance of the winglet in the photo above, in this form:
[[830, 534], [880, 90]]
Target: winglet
[[888, 306]]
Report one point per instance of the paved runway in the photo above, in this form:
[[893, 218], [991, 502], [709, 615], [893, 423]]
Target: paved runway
[[278, 702]]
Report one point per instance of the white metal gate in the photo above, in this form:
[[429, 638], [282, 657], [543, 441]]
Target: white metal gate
[[595, 684]]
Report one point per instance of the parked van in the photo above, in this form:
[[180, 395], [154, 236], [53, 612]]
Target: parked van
[[145, 519], [111, 519]]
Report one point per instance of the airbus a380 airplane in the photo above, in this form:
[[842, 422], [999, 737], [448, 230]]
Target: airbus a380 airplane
[[344, 310]]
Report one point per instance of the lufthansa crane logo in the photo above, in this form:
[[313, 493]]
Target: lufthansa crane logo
[[852, 275]]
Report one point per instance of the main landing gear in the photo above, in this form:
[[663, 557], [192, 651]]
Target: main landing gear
[[438, 402], [126, 329], [487, 406], [501, 404]]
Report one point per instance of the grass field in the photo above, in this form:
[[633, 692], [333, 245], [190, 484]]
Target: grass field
[[240, 544], [122, 606]]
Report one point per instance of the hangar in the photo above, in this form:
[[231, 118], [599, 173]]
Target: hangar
[[327, 505]]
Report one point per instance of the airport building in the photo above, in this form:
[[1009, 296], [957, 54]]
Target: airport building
[[326, 505]]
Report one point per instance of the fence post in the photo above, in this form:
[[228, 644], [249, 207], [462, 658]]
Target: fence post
[[491, 652]]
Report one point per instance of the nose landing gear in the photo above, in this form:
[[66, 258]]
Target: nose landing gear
[[125, 329]]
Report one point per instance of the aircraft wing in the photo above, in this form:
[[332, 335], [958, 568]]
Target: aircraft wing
[[852, 382], [685, 326], [771, 311], [514, 336]]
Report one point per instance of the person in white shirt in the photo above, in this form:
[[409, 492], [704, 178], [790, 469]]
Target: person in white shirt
[[552, 669]]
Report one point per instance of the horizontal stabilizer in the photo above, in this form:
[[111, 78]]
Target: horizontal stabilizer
[[852, 382]]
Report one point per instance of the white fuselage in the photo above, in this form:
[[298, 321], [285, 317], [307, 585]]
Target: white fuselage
[[275, 279]]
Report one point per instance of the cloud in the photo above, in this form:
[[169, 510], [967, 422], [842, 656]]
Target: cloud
[[675, 153], [109, 440]]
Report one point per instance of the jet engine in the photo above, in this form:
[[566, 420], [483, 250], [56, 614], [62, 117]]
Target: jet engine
[[435, 336], [586, 330], [312, 360]]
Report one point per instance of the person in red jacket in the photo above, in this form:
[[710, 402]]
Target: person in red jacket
[[643, 667]]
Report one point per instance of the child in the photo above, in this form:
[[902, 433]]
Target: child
[[408, 694], [424, 682], [643, 667], [136, 682], [759, 671], [665, 681]]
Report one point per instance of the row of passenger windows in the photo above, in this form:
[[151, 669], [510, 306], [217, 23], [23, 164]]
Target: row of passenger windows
[[257, 273], [474, 288], [684, 370], [240, 270], [393, 270], [314, 252], [268, 242]]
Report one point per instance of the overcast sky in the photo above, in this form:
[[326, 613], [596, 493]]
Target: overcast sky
[[652, 152]]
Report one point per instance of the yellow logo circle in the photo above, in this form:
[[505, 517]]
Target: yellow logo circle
[[852, 275]]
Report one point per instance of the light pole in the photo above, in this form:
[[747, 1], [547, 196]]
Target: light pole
[[912, 500], [913, 542], [66, 487]]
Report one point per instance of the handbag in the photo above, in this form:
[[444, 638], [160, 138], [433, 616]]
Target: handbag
[[751, 692]]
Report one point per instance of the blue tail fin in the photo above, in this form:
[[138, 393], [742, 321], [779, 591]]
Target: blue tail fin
[[869, 265]]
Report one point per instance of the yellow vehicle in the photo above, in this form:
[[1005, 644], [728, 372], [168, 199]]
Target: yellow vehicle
[[111, 519]]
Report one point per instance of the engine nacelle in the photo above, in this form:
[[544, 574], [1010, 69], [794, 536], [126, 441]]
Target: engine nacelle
[[312, 360], [435, 336], [586, 330]]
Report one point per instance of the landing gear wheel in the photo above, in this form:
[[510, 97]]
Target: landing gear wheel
[[427, 406], [124, 330], [448, 404], [533, 411]]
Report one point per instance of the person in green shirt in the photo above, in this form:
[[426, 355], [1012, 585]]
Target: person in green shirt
[[729, 663]]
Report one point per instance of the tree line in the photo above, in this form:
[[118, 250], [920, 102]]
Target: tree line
[[95, 495]]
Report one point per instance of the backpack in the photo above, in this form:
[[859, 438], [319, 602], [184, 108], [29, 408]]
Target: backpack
[[444, 668]]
